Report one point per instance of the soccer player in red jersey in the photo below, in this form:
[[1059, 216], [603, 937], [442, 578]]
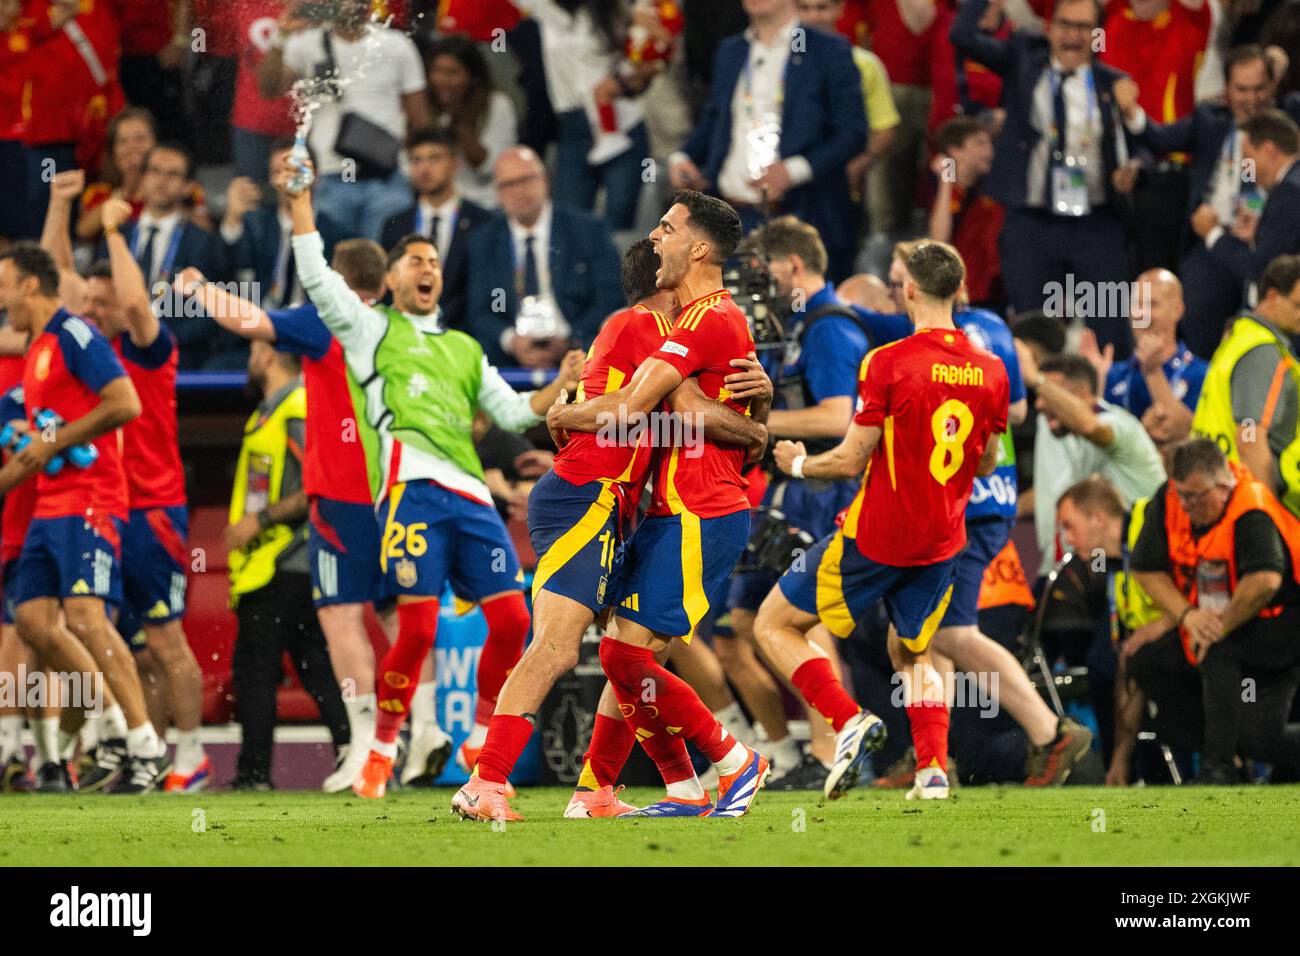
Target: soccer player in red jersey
[[578, 515], [155, 553], [930, 408], [71, 557], [698, 520], [343, 533]]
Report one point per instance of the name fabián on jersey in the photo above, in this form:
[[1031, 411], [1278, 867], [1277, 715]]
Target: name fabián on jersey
[[957, 374]]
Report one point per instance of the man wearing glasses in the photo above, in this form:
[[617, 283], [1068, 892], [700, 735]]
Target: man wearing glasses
[[1055, 156], [1250, 402], [1218, 553]]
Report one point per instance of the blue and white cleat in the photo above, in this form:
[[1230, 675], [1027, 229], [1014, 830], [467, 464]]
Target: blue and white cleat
[[931, 784], [859, 738], [736, 791], [673, 807]]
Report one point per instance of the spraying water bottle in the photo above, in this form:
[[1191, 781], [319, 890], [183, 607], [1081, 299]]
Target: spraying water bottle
[[299, 160]]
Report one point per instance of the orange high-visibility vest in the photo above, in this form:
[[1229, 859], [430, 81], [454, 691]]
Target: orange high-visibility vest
[[1210, 561], [1004, 581]]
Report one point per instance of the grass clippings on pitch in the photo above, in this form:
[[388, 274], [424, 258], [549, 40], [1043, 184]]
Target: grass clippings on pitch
[[1007, 826]]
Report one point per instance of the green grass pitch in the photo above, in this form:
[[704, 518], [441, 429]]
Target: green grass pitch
[[1006, 826]]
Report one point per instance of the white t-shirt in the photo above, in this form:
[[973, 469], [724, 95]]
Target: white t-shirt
[[378, 71], [1131, 463]]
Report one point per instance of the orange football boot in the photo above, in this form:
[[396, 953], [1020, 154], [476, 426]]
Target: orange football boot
[[480, 799], [589, 804], [372, 782], [467, 760]]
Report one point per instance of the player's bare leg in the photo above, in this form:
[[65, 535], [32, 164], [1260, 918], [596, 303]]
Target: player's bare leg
[[757, 689], [153, 681], [183, 681], [353, 660], [13, 766], [782, 630], [663, 701], [558, 625], [146, 751], [927, 709], [1056, 745]]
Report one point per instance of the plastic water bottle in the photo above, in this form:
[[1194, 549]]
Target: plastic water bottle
[[299, 159], [83, 456]]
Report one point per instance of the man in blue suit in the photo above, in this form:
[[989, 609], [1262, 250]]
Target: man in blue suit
[[1210, 136], [784, 118], [164, 241], [440, 213], [537, 249], [1055, 157]]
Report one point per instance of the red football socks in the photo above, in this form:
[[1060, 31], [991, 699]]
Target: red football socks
[[507, 737], [399, 672], [508, 623], [612, 739], [667, 699], [667, 750], [824, 694], [929, 733]]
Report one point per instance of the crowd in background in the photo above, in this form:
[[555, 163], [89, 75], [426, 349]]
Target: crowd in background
[[1119, 179]]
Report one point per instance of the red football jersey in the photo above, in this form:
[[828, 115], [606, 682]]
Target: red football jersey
[[626, 340], [67, 366], [1162, 55], [335, 462], [702, 477], [20, 501], [152, 454], [938, 400]]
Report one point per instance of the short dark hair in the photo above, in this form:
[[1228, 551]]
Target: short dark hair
[[788, 236], [953, 133], [361, 263], [1075, 368], [713, 217], [1197, 455], [31, 260], [1246, 53], [395, 254], [640, 263], [936, 268], [1273, 126], [1042, 330], [1281, 274], [1094, 493], [173, 147], [100, 269], [431, 136]]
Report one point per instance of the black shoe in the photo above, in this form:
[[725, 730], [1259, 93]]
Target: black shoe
[[250, 784], [16, 778], [110, 759], [810, 774], [1218, 775], [54, 778], [142, 775]]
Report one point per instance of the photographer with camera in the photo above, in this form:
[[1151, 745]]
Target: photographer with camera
[[814, 362], [373, 86]]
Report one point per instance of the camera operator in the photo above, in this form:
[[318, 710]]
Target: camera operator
[[815, 364]]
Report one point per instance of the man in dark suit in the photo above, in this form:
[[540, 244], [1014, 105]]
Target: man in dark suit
[[801, 122], [163, 241], [440, 213], [1209, 136], [537, 250], [1055, 158], [1270, 146]]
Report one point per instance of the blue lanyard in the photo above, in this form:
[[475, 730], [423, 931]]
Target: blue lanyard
[[165, 269]]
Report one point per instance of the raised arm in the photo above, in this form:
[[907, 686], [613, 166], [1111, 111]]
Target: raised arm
[[1074, 413], [969, 39], [234, 314], [515, 411], [64, 190], [128, 280]]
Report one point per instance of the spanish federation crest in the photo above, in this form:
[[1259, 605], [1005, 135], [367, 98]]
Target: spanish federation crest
[[406, 573]]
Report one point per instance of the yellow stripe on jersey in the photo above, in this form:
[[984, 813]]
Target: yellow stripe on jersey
[[832, 608], [691, 317], [394, 498], [576, 538], [919, 643], [614, 379], [889, 451]]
